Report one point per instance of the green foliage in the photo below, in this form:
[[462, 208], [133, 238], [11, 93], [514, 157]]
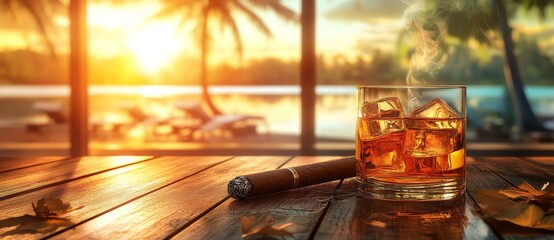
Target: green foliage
[[536, 67]]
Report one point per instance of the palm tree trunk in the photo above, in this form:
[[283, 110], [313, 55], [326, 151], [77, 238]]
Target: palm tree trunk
[[526, 120], [204, 67]]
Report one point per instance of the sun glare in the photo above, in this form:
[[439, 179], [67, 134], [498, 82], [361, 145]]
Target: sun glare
[[154, 46]]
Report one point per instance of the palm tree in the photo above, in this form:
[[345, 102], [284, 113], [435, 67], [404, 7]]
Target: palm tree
[[474, 20], [527, 119], [41, 12], [203, 12]]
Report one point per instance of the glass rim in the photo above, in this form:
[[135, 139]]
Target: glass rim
[[426, 86]]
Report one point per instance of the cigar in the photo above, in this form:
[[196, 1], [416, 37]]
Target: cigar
[[252, 185]]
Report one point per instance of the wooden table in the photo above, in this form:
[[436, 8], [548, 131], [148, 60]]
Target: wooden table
[[124, 197]]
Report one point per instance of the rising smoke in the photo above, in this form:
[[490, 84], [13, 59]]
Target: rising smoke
[[426, 24]]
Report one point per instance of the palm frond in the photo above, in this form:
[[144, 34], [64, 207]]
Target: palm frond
[[202, 28], [283, 12], [174, 7], [260, 25], [56, 6], [34, 8], [12, 7], [227, 19]]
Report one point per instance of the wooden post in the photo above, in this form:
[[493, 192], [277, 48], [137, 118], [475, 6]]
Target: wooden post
[[78, 106], [308, 78]]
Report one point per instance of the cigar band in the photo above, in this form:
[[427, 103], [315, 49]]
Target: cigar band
[[295, 175]]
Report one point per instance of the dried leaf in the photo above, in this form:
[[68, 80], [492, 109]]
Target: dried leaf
[[275, 231], [515, 193], [546, 223], [526, 215], [252, 225], [377, 224], [524, 205], [493, 201], [51, 207], [529, 188], [247, 222]]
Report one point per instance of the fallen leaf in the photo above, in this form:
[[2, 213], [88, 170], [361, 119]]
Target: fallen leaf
[[515, 193], [529, 188], [547, 223], [376, 223], [526, 215], [526, 190], [524, 206], [275, 231], [253, 225], [51, 207], [493, 201]]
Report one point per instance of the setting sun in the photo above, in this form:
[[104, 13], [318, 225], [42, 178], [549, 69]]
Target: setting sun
[[155, 45]]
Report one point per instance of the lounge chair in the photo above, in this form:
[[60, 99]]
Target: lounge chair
[[235, 125], [55, 116], [149, 122]]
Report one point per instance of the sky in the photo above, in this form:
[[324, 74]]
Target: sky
[[124, 29], [344, 27]]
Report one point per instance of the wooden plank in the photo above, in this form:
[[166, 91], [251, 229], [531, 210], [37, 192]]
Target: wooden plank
[[21, 181], [302, 207], [15, 163], [545, 162], [351, 217], [102, 192], [479, 177], [517, 170], [158, 214]]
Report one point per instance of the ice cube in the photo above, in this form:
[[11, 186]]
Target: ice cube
[[425, 164], [433, 130], [443, 163], [384, 107], [421, 142], [383, 154], [436, 108], [379, 117]]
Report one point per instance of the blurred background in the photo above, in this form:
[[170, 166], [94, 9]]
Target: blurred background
[[189, 77]]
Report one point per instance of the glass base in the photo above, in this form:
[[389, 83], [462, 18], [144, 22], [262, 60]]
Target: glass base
[[374, 189]]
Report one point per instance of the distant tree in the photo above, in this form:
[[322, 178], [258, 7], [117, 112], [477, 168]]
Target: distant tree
[[381, 67], [460, 67], [491, 72], [536, 66], [30, 67]]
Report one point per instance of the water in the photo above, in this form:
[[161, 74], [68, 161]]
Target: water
[[335, 108]]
